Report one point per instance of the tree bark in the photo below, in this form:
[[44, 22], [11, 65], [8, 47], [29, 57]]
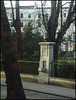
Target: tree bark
[[52, 25], [13, 79], [17, 25]]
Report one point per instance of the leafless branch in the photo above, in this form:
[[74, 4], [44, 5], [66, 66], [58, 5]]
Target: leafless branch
[[12, 10], [63, 30], [44, 21], [72, 1], [57, 14]]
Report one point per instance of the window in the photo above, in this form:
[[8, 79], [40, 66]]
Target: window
[[39, 24], [64, 14], [46, 15], [74, 23], [11, 24], [21, 15], [10, 15], [44, 64], [29, 15], [39, 15], [74, 36], [21, 24]]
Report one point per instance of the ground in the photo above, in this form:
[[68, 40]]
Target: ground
[[40, 91]]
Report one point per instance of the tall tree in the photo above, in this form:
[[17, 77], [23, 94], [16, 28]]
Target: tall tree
[[13, 79], [17, 26], [52, 24], [31, 39]]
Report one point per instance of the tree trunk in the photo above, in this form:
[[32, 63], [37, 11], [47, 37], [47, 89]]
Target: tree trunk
[[17, 25], [52, 25], [13, 80]]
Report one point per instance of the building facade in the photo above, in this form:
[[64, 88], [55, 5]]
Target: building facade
[[34, 14]]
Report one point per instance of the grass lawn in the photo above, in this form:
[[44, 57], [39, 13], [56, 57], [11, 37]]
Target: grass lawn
[[68, 61]]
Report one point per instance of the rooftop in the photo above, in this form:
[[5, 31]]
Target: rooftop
[[32, 7]]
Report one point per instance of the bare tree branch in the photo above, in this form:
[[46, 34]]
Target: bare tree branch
[[66, 25], [44, 21], [61, 16], [12, 10], [17, 25], [63, 30], [57, 14], [71, 14], [71, 5], [53, 11]]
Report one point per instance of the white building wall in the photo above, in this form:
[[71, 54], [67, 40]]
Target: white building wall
[[34, 10]]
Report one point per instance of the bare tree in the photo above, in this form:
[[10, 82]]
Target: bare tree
[[52, 24], [17, 26], [13, 79]]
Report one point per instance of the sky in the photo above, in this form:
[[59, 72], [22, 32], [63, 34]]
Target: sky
[[25, 3], [28, 3]]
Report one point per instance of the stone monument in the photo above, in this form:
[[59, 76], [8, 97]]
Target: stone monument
[[46, 59]]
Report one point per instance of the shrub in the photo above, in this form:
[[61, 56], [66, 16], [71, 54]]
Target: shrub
[[65, 54], [65, 70], [28, 67]]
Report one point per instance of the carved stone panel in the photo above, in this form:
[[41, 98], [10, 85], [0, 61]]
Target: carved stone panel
[[44, 51]]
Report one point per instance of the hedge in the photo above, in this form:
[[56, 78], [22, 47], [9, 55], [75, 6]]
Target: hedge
[[28, 67], [64, 69]]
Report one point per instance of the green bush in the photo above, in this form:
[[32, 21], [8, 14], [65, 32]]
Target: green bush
[[66, 70], [68, 55], [31, 41], [26, 67], [65, 54]]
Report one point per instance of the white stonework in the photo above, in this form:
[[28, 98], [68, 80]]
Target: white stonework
[[46, 59]]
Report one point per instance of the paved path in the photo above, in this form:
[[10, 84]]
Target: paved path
[[32, 95], [41, 89]]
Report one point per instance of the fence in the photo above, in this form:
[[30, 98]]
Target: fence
[[64, 70], [30, 67]]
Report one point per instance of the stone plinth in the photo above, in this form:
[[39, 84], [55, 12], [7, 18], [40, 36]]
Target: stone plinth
[[46, 60], [43, 77]]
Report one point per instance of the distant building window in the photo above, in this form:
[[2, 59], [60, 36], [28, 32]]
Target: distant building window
[[39, 15], [39, 24], [21, 24], [11, 24], [29, 15], [21, 15], [10, 15], [46, 15], [74, 23], [7, 14], [64, 14], [73, 36], [44, 64]]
